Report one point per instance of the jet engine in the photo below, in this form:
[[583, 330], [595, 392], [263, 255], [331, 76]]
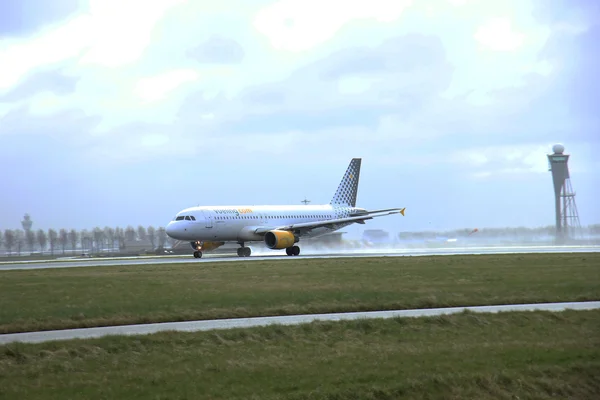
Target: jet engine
[[206, 246], [277, 239]]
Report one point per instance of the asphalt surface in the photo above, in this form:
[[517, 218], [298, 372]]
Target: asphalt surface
[[193, 326], [265, 254]]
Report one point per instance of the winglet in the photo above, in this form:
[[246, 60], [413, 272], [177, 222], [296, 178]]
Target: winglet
[[402, 211]]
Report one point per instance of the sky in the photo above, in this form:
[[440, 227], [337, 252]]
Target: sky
[[124, 112]]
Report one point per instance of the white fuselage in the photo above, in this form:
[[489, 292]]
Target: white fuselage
[[237, 223]]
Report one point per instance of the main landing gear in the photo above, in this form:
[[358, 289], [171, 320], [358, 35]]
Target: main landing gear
[[292, 251], [197, 254], [244, 251]]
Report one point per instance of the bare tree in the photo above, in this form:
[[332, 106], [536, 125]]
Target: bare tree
[[73, 239], [162, 237], [42, 240], [120, 237], [9, 240], [63, 238], [53, 239], [109, 234], [85, 240], [1, 239], [30, 238], [152, 235], [98, 238], [19, 240], [141, 231], [130, 234]]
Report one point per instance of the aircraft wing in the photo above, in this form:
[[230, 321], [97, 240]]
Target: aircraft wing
[[307, 226]]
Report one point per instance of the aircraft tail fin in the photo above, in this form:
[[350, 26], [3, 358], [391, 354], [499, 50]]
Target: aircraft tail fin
[[348, 187]]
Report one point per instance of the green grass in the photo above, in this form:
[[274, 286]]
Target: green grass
[[539, 355], [96, 296]]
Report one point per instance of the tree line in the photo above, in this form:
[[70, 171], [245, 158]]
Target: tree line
[[94, 240]]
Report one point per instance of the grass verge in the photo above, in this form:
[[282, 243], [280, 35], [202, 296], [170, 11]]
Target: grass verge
[[98, 296], [539, 355]]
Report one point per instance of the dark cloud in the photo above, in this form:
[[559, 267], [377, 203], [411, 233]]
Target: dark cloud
[[553, 11], [406, 71], [50, 80], [579, 79], [45, 170], [577, 56], [218, 50], [24, 17]]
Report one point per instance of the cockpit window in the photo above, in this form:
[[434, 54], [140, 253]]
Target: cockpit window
[[185, 217]]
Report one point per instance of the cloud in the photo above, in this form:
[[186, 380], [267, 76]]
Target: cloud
[[349, 88], [70, 126], [498, 35], [219, 50], [435, 95], [24, 17], [300, 25], [158, 87], [52, 80]]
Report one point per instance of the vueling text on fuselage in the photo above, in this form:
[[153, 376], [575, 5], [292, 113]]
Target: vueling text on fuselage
[[233, 211]]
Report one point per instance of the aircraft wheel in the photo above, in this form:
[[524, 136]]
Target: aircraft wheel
[[288, 251], [295, 250], [244, 252], [197, 254]]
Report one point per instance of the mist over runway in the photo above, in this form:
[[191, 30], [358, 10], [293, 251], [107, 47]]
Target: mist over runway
[[263, 254]]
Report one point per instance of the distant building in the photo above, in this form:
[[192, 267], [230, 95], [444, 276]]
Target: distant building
[[375, 236]]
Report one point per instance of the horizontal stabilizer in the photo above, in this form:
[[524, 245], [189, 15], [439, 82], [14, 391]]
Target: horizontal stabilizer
[[398, 210]]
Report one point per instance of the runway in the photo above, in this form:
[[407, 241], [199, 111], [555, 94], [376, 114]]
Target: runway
[[194, 326], [261, 254]]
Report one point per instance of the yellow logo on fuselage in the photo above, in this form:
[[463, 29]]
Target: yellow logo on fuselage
[[244, 210]]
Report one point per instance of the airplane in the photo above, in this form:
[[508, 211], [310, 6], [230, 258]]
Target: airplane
[[278, 226]]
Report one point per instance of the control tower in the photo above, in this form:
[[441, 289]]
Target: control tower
[[26, 223], [567, 217]]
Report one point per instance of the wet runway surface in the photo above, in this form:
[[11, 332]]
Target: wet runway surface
[[262, 255], [193, 326]]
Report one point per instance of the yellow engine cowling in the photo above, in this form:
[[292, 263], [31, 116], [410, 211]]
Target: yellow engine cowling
[[206, 246], [276, 239]]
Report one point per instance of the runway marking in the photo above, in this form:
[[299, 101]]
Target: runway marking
[[207, 325]]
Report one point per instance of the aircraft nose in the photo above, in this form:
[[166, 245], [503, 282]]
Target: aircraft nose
[[170, 230]]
